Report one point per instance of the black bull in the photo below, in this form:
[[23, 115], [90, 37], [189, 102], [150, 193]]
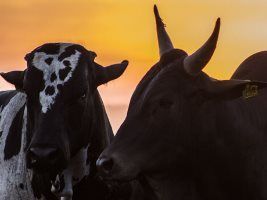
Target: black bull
[[189, 136]]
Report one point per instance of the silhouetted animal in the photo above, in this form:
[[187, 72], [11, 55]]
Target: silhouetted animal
[[189, 136]]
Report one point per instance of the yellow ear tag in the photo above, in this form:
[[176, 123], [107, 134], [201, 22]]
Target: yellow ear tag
[[250, 91]]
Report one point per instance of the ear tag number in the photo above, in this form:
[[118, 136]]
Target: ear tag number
[[250, 91]]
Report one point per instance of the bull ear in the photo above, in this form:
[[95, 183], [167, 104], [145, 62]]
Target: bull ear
[[106, 74], [15, 78], [235, 88]]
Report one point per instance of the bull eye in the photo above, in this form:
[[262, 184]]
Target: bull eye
[[165, 103], [161, 105]]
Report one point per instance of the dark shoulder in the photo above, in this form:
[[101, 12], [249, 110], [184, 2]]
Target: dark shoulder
[[253, 68]]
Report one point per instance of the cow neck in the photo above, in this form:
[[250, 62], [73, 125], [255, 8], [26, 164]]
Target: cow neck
[[101, 135], [101, 130]]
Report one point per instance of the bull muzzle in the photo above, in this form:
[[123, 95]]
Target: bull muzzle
[[105, 165]]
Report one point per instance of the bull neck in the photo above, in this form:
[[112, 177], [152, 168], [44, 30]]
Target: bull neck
[[171, 188]]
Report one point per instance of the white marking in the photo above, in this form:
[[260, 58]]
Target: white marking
[[56, 65], [77, 168], [13, 171]]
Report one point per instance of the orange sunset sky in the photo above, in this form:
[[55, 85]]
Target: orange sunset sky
[[125, 29]]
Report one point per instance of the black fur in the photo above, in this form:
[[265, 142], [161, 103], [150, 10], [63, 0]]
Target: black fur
[[50, 90], [49, 49], [13, 140], [49, 61], [53, 77], [63, 73]]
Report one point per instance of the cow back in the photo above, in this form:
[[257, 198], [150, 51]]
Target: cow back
[[15, 178], [253, 68]]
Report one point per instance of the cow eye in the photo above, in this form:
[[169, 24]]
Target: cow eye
[[83, 96], [161, 105], [165, 103]]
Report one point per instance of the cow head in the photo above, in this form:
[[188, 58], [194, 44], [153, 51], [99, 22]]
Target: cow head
[[160, 129], [60, 82]]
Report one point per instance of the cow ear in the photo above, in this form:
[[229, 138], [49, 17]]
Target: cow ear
[[15, 78], [109, 73], [235, 88]]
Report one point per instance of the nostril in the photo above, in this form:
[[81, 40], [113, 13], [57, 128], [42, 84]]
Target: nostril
[[43, 159], [106, 164], [31, 151], [48, 154], [52, 155], [32, 154], [32, 158]]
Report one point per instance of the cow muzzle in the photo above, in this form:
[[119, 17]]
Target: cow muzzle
[[44, 159], [115, 167]]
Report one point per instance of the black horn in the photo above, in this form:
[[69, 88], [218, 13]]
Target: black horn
[[164, 40], [194, 63]]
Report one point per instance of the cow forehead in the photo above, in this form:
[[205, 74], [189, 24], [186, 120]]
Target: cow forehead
[[57, 66]]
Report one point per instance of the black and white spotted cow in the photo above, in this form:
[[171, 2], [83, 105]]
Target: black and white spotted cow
[[54, 126]]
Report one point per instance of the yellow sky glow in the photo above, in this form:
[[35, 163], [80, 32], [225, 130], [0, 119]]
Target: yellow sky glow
[[125, 29]]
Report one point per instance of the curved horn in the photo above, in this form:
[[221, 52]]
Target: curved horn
[[164, 40], [194, 63]]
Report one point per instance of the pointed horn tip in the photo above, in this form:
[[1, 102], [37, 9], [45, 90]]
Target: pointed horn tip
[[218, 23], [159, 21], [155, 9], [156, 13], [193, 63], [216, 29]]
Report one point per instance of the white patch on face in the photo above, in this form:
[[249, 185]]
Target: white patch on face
[[47, 101], [13, 172], [76, 170]]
